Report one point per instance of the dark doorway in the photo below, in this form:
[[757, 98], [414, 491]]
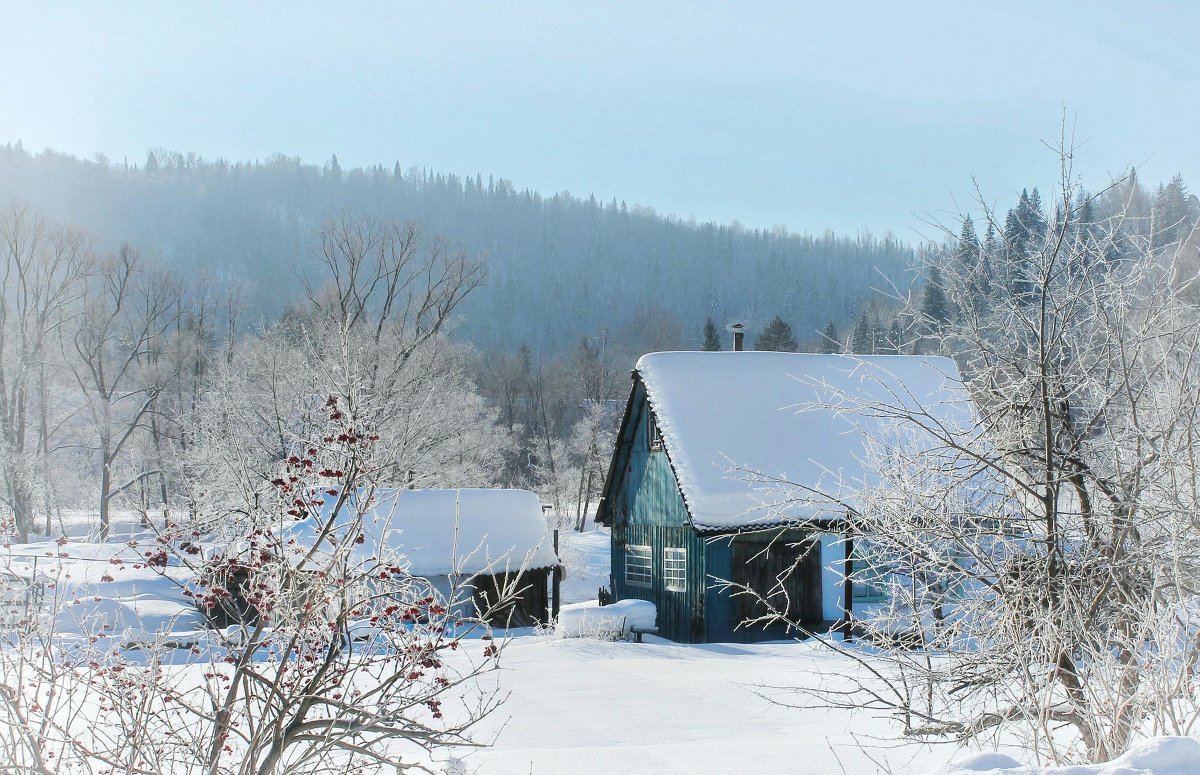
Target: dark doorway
[[527, 607], [785, 572]]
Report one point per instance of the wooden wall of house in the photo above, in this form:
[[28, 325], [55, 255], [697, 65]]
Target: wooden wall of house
[[719, 625], [680, 612], [531, 605], [649, 511]]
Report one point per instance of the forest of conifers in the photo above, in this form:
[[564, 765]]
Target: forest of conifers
[[559, 267]]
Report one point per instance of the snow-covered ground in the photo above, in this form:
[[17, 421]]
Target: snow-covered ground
[[585, 706], [590, 707], [586, 558], [93, 584], [581, 705], [1160, 756]]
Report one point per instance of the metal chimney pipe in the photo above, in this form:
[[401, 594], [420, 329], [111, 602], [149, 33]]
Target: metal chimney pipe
[[739, 333]]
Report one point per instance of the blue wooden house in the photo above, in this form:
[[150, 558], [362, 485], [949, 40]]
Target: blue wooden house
[[701, 489]]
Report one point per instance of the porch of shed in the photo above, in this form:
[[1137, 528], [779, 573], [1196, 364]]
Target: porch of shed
[[789, 571]]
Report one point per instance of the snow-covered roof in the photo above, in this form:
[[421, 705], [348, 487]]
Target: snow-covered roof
[[450, 532], [794, 416]]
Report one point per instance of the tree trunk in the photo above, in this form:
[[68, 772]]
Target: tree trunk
[[44, 440], [105, 480]]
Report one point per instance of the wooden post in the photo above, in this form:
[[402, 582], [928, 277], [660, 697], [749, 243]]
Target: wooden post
[[848, 590], [555, 583]]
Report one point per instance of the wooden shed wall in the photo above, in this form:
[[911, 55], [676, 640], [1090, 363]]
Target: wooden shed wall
[[650, 511], [719, 626], [680, 612], [531, 605]]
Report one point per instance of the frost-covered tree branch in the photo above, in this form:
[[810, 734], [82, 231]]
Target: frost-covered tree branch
[[1039, 560]]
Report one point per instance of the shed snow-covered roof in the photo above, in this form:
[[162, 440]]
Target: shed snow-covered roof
[[799, 417], [451, 532]]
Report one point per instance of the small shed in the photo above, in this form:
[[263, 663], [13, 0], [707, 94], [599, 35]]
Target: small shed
[[467, 543], [685, 517]]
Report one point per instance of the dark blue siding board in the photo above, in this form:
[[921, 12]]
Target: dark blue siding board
[[651, 491], [650, 511], [718, 608], [680, 612]]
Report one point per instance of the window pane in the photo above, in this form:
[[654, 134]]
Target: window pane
[[675, 568], [868, 581], [638, 565]]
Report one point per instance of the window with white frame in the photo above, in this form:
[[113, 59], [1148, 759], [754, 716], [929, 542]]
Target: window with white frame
[[675, 568], [639, 565]]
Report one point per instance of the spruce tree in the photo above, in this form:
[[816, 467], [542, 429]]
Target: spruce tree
[[525, 360], [970, 258], [894, 338], [1016, 230], [1024, 230], [712, 339], [830, 340], [777, 335], [1174, 214], [878, 334], [991, 246], [935, 308], [1085, 209], [862, 341], [989, 255], [1035, 219], [968, 244], [1025, 225]]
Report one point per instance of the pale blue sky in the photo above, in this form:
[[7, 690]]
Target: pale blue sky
[[877, 115]]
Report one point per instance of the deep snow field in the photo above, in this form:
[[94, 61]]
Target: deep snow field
[[591, 707]]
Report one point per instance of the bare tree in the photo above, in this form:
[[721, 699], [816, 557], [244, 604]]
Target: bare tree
[[592, 434], [112, 356], [1040, 558], [361, 388], [41, 700], [591, 439], [377, 324], [42, 268], [389, 279]]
